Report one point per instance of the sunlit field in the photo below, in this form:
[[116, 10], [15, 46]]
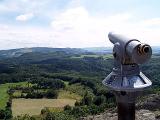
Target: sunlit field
[[34, 106]]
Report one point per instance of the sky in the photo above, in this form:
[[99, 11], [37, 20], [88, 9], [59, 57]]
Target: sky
[[76, 23]]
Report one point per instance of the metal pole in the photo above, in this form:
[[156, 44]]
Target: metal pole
[[126, 111]]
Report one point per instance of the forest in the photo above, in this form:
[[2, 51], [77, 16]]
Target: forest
[[61, 74]]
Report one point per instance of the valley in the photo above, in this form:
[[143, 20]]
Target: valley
[[63, 84]]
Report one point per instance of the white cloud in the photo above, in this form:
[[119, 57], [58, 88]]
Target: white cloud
[[40, 7], [25, 17], [18, 37], [75, 27], [152, 22]]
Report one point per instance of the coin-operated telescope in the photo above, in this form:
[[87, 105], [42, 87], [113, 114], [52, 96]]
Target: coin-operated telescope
[[126, 80]]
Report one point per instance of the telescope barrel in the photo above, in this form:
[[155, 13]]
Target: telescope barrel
[[117, 38], [133, 48]]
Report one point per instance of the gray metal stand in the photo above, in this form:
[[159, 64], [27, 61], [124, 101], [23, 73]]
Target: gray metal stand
[[126, 80], [126, 111]]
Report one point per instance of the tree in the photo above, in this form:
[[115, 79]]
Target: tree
[[50, 116], [87, 99], [77, 103], [2, 114], [52, 94], [98, 100], [67, 107]]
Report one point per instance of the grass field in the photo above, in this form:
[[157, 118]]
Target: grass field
[[3, 92], [79, 89], [3, 96], [34, 106], [63, 94]]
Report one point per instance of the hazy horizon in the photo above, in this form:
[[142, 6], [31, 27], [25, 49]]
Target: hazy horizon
[[110, 47]]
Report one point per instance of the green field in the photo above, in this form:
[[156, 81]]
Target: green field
[[63, 94], [34, 106], [3, 96], [3, 92], [79, 89], [17, 93]]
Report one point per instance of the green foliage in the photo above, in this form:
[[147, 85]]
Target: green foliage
[[87, 99], [79, 111], [2, 114], [99, 100], [67, 107], [52, 94], [66, 94], [6, 114], [77, 103], [82, 111], [79, 89], [151, 70], [48, 115], [24, 117], [34, 95], [45, 83]]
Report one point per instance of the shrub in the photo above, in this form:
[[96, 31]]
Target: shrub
[[98, 100], [51, 94], [67, 107], [2, 114]]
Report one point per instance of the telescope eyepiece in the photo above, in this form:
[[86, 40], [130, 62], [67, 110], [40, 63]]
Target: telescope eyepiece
[[144, 49]]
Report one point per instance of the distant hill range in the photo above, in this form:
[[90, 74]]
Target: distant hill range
[[44, 50], [99, 50], [106, 50]]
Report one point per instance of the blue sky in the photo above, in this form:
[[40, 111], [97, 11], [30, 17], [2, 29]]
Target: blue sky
[[76, 23]]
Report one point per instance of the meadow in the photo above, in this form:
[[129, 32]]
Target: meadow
[[34, 106], [3, 92], [64, 94], [67, 96]]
